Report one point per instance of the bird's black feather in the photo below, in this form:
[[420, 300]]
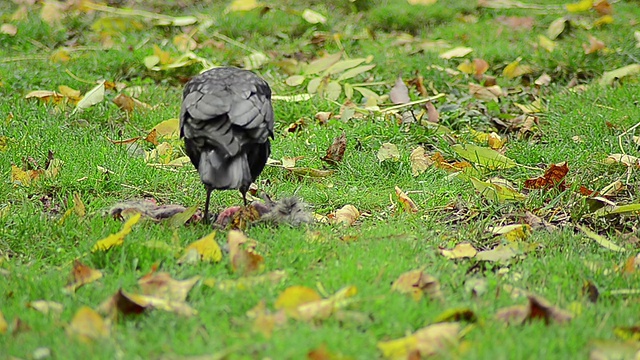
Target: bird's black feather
[[226, 121]]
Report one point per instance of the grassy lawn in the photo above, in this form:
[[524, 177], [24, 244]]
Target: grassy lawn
[[51, 152]]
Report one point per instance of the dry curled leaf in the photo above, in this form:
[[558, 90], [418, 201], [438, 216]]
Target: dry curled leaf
[[420, 162], [552, 178], [399, 93], [407, 204], [81, 274], [388, 151], [335, 152], [88, 326]]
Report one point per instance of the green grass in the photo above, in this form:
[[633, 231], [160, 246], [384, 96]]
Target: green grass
[[37, 250]]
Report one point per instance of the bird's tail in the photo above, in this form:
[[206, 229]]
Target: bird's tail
[[220, 172]]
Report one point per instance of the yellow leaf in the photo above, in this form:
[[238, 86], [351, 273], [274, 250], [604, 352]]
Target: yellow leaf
[[456, 52], [87, 325], [514, 69], [60, 56], [583, 5], [3, 324], [78, 205], [168, 128], [422, 2], [603, 20], [243, 5], [22, 177], [207, 248], [81, 274], [603, 241], [608, 77], [116, 239], [460, 251], [294, 296], [546, 43], [429, 341]]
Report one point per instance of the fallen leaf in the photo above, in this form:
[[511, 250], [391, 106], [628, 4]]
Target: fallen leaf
[[594, 46], [537, 309], [399, 92], [335, 152], [603, 7], [388, 151], [484, 157], [292, 297], [553, 178], [489, 93], [420, 162], [456, 52], [500, 253], [516, 22], [127, 304], [206, 249], [609, 77], [556, 28], [8, 29], [429, 341], [460, 251], [313, 17], [88, 326], [417, 284], [543, 80], [432, 113], [515, 69], [116, 239], [346, 215], [581, 6], [601, 240], [546, 43], [625, 159], [161, 285], [92, 97], [243, 5], [407, 204], [46, 307], [3, 324], [243, 260], [264, 321], [81, 274]]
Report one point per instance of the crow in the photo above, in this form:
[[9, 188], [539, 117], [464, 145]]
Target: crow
[[226, 121]]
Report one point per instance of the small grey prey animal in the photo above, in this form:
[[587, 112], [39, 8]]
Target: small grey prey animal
[[226, 121]]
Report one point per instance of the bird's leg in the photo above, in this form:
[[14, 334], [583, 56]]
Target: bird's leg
[[244, 197], [206, 205]]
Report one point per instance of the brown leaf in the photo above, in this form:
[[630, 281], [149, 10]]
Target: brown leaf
[[537, 309], [81, 274], [516, 22], [425, 343], [603, 7], [244, 259], [417, 283], [594, 46], [553, 177], [335, 152], [399, 93], [407, 204], [161, 285], [491, 93], [323, 117], [441, 163], [432, 113]]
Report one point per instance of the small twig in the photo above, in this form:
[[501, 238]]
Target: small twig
[[234, 42], [23, 58], [625, 133], [75, 77], [411, 103]]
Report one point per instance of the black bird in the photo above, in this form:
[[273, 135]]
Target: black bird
[[226, 121]]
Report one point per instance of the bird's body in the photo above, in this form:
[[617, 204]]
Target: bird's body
[[226, 121]]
